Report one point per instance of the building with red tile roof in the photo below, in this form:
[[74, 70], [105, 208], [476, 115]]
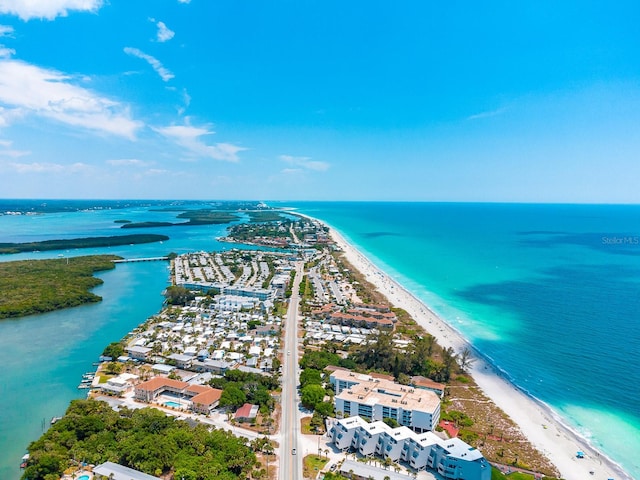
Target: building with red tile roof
[[206, 401], [149, 390]]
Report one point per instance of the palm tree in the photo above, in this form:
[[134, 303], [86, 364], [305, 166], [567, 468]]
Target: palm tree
[[326, 453], [465, 360]]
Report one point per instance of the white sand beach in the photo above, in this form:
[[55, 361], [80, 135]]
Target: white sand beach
[[537, 422]]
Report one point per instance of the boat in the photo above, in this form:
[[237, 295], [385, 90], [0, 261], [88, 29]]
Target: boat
[[84, 385], [24, 460]]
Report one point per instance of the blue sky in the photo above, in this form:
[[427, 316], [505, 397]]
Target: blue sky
[[320, 100]]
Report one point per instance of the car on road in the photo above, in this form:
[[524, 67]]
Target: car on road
[[288, 352], [293, 451]]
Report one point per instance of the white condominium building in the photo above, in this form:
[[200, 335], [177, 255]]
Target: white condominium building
[[453, 459], [379, 398]]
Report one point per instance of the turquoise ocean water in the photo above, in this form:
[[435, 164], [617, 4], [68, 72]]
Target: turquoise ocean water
[[550, 293]]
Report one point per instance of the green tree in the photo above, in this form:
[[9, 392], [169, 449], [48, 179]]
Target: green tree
[[232, 396], [176, 295], [310, 376], [324, 409], [311, 395], [113, 350], [316, 422], [465, 360], [113, 368]]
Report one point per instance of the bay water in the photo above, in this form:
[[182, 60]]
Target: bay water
[[44, 356]]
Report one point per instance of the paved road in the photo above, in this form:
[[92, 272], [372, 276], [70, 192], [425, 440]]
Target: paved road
[[290, 464]]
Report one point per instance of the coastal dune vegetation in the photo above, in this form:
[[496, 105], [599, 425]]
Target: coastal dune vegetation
[[36, 286]]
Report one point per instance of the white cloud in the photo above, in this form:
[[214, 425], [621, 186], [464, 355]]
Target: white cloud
[[186, 99], [6, 30], [7, 151], [37, 167], [47, 9], [6, 52], [188, 137], [8, 116], [306, 162], [184, 1], [164, 34], [127, 162], [156, 171], [164, 73], [491, 113], [27, 89]]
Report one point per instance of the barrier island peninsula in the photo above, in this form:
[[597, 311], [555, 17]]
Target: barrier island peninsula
[[298, 353]]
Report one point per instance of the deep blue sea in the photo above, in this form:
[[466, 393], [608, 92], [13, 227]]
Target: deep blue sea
[[551, 293]]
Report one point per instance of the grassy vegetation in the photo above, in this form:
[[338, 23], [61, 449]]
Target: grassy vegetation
[[498, 475], [36, 286], [312, 465], [88, 242]]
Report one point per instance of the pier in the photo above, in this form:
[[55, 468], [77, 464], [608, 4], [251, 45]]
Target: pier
[[148, 259]]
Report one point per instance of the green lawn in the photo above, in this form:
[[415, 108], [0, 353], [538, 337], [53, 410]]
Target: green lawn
[[312, 465]]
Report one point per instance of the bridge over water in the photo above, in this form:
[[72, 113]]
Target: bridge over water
[[147, 259]]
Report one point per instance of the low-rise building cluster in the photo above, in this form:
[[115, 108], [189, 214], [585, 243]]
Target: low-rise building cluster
[[451, 458]]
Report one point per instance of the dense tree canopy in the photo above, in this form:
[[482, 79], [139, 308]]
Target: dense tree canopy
[[113, 350], [37, 286], [176, 295], [239, 387], [311, 395], [145, 439]]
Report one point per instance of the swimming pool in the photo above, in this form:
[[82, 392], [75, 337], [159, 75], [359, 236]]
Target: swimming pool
[[170, 404], [84, 477]]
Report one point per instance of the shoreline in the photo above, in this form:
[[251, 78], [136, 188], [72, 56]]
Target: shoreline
[[538, 422]]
